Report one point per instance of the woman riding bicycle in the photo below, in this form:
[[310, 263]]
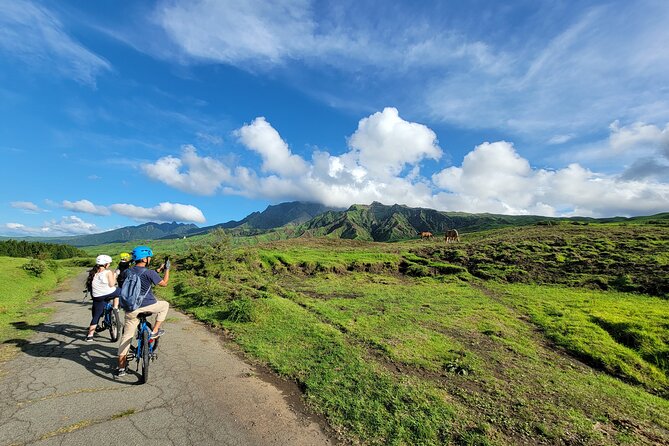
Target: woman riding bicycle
[[101, 283], [142, 257]]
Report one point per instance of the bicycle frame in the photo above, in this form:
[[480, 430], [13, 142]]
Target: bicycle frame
[[145, 352], [143, 326]]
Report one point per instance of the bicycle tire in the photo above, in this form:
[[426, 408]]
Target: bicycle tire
[[114, 324], [146, 355]]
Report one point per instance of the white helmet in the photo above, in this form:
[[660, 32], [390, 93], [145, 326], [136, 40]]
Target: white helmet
[[103, 259]]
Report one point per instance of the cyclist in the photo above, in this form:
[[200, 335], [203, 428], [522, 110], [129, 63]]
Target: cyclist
[[101, 283], [123, 265], [142, 255]]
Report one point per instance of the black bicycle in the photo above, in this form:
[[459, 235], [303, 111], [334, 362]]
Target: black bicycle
[[110, 319], [145, 349]]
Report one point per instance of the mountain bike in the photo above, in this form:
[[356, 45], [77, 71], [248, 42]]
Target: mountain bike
[[145, 350]]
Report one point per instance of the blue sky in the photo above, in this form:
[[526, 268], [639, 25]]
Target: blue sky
[[117, 113]]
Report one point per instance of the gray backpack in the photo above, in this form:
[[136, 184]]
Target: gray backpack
[[131, 291]]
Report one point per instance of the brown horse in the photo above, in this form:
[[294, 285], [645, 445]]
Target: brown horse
[[452, 236], [425, 235]]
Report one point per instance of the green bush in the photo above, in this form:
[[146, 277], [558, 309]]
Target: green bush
[[417, 270], [35, 267]]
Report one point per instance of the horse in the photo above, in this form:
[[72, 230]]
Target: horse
[[425, 235], [451, 235]]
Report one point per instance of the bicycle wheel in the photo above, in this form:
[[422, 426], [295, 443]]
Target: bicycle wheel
[[146, 355], [114, 324]]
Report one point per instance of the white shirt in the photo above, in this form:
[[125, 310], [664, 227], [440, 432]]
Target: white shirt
[[101, 285]]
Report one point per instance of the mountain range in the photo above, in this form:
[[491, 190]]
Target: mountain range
[[374, 222]]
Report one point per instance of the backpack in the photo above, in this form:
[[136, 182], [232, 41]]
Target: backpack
[[131, 290]]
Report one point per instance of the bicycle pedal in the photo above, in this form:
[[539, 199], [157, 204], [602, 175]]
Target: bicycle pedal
[[131, 356], [98, 329]]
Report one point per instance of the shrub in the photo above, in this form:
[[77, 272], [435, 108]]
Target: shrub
[[35, 267], [240, 310]]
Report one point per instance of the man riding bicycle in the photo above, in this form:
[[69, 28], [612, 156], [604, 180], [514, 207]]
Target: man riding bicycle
[[142, 255]]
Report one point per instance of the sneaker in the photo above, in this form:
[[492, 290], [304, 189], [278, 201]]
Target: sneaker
[[89, 338], [120, 372], [157, 334]]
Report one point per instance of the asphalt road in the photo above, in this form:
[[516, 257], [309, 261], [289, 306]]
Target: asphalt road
[[60, 390]]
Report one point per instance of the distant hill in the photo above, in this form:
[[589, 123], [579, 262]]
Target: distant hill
[[146, 231]]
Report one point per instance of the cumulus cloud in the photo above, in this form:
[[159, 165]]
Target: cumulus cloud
[[495, 178], [262, 138], [70, 225], [190, 173], [383, 163], [386, 143], [27, 206], [85, 207], [35, 35], [163, 212]]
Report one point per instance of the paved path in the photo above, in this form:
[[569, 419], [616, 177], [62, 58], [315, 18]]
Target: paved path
[[60, 390]]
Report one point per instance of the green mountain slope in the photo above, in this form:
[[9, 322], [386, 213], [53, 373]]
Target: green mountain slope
[[379, 222], [274, 216]]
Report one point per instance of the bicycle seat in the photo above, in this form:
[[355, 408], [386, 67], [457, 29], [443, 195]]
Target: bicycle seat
[[144, 314]]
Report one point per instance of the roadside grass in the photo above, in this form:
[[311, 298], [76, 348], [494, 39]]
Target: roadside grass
[[21, 294], [355, 394]]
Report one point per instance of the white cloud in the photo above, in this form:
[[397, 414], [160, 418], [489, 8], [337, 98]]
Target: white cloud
[[560, 139], [163, 212], [209, 138], [495, 178], [386, 143], [639, 135], [85, 207], [27, 206], [261, 137], [200, 175], [35, 35], [383, 164], [238, 31], [70, 225]]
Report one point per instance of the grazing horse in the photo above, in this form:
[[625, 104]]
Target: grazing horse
[[452, 236], [425, 235]]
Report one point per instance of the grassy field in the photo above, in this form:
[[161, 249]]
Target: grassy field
[[420, 343], [22, 293]]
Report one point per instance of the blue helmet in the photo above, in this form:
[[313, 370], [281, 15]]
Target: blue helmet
[[141, 252]]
